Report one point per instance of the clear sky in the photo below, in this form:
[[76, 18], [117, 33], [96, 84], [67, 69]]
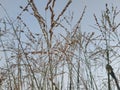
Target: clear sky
[[93, 7], [77, 6]]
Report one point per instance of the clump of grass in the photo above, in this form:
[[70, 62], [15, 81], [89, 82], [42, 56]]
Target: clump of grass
[[47, 61]]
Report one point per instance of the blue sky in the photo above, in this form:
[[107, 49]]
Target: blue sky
[[93, 7]]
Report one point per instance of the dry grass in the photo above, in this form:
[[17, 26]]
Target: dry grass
[[46, 61]]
